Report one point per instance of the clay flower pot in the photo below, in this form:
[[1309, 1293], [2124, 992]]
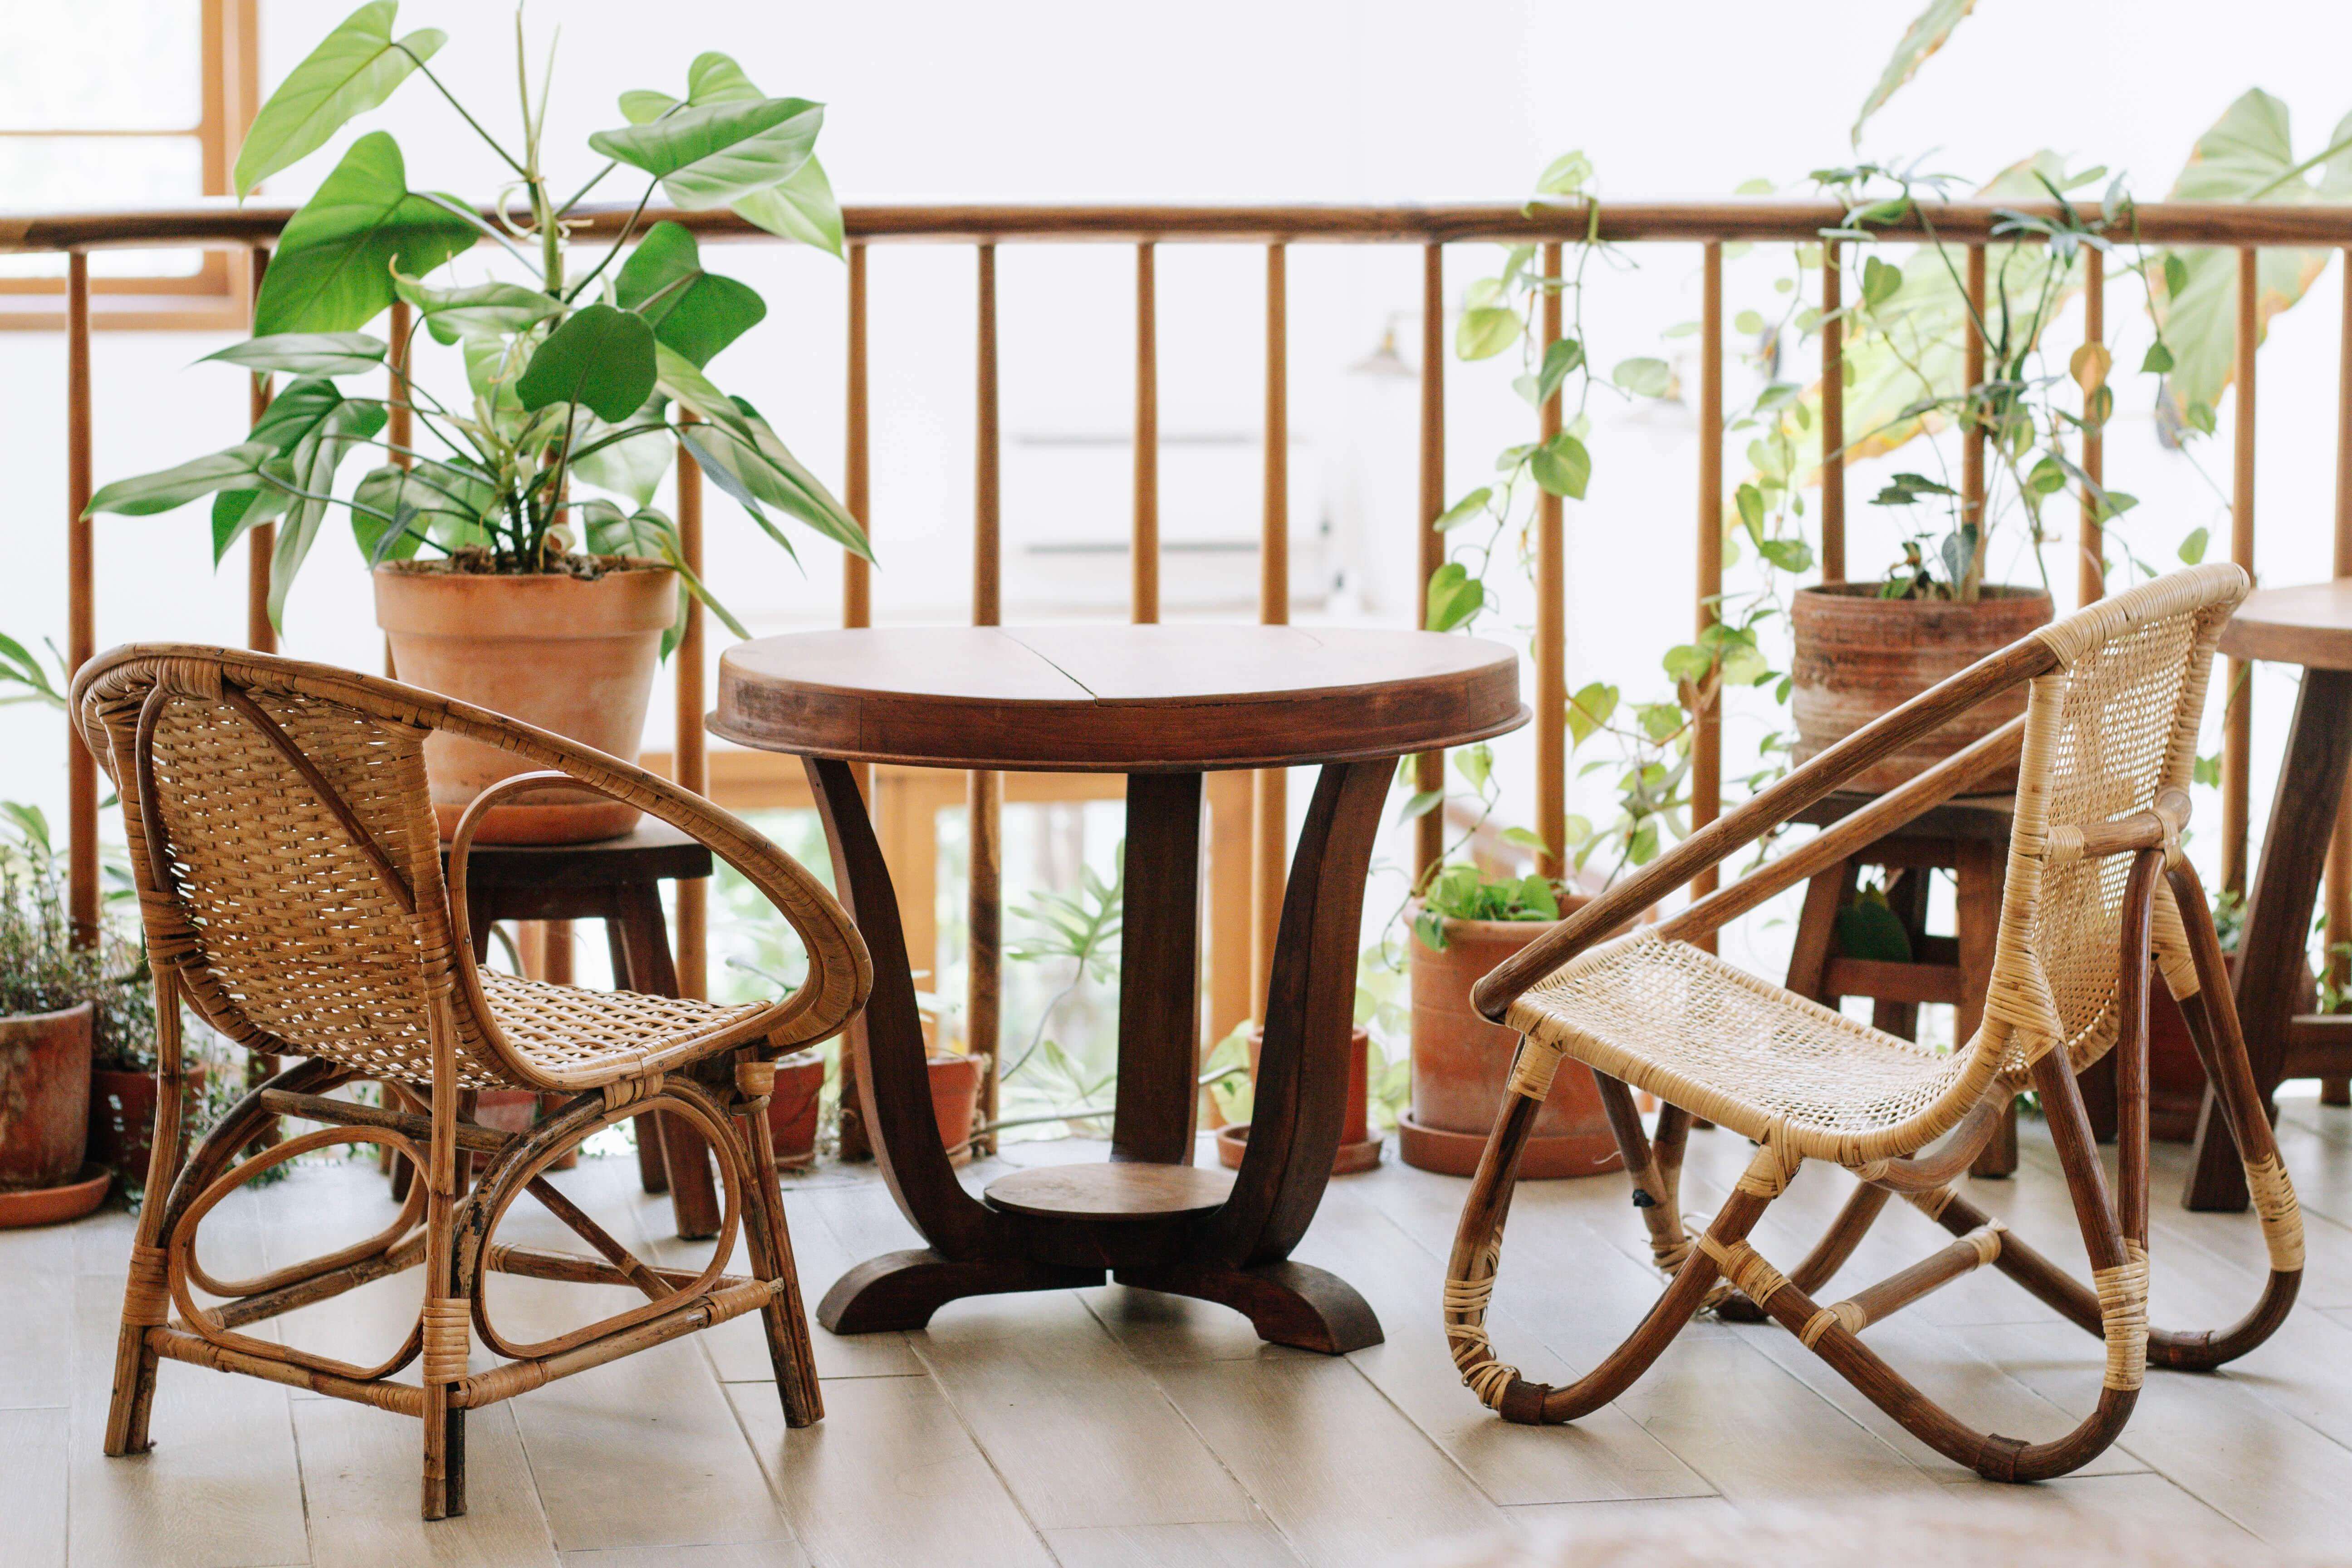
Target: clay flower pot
[[792, 1109], [122, 1115], [1460, 1063], [955, 1100], [44, 1097], [1858, 655], [1358, 1150], [564, 653]]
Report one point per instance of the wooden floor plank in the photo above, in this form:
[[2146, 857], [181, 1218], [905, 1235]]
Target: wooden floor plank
[[361, 1471], [738, 1555], [1172, 1546], [1340, 1471], [33, 1488], [890, 1476]]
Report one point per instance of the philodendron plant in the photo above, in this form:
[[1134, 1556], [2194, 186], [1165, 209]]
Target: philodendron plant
[[575, 384]]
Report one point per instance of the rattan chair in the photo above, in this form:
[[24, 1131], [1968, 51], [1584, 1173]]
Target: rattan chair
[[2097, 879], [290, 880]]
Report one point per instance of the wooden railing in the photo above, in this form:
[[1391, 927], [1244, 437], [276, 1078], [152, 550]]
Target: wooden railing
[[1709, 224]]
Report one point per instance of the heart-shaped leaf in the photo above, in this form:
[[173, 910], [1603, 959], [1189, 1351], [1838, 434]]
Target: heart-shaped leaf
[[332, 272], [802, 208], [696, 312], [354, 70], [598, 357], [308, 353], [712, 155]]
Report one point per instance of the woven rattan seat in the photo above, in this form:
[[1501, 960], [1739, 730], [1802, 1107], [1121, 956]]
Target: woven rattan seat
[[1685, 1025], [564, 1029]]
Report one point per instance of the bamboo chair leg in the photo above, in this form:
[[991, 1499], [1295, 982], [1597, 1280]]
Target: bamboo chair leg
[[145, 1304], [785, 1318]]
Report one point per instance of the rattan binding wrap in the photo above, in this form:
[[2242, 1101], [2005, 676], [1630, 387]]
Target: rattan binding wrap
[[2281, 1216], [1465, 1302], [2123, 1309]]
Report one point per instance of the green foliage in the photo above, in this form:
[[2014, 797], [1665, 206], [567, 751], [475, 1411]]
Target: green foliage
[[1465, 892], [1869, 928], [1923, 37], [354, 70], [696, 312], [333, 269]]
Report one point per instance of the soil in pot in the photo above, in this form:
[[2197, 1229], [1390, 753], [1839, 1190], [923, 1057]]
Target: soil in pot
[[792, 1109], [44, 1097], [1358, 1150], [1461, 1062], [1857, 655], [569, 653], [122, 1115]]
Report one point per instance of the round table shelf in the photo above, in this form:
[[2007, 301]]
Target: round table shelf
[[1117, 1189]]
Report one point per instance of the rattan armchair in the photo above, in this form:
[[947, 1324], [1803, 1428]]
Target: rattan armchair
[[290, 881], [2096, 881]]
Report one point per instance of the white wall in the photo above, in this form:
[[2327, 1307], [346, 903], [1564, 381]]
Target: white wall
[[1217, 101]]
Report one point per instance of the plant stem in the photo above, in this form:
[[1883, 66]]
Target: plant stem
[[460, 108]]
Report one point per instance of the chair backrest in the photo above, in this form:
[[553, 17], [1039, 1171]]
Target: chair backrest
[[2109, 730], [288, 864]]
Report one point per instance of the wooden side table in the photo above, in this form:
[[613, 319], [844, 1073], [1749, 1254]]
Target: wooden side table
[[2311, 626], [1163, 704]]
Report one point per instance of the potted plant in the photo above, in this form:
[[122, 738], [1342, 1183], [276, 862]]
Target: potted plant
[[552, 585], [1359, 1146]]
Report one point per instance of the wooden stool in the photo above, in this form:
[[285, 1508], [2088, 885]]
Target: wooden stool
[[1968, 837], [618, 881]]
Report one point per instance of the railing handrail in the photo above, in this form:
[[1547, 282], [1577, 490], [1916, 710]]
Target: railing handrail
[[224, 223]]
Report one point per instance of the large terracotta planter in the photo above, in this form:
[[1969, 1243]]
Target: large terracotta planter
[[1359, 1148], [44, 1097], [122, 1116], [1460, 1063], [1858, 655], [567, 654]]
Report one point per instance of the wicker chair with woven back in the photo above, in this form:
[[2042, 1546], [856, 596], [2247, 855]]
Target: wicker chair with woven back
[[290, 881], [2097, 882]]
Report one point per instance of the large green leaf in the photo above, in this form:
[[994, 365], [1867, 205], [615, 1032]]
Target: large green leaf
[[712, 155], [299, 412], [1923, 37], [696, 312], [355, 69], [748, 461], [308, 353], [802, 208], [150, 493], [633, 468], [440, 501], [2247, 155], [332, 272], [598, 357], [310, 469], [477, 310]]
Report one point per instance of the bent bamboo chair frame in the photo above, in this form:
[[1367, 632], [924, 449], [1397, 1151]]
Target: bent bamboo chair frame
[[2064, 989], [288, 872]]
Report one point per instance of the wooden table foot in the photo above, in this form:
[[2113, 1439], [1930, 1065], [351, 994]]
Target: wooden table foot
[[902, 1289], [1288, 1303]]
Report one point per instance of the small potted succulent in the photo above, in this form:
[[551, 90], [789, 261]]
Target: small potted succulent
[[518, 562]]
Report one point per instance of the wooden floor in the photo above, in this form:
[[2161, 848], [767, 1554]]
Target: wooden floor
[[1110, 1428]]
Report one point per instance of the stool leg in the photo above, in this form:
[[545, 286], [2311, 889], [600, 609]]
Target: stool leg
[[1809, 961], [1980, 875], [685, 1158], [653, 1173], [1906, 897]]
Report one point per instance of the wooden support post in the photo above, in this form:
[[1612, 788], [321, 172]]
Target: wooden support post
[[1270, 788], [1429, 767], [2337, 1090], [1144, 588], [2091, 559], [1972, 443], [1551, 626], [2238, 716], [1706, 749], [984, 909], [261, 539], [857, 610], [693, 769], [1832, 418], [81, 609]]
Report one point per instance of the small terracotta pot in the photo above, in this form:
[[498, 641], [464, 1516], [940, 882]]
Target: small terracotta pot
[[563, 653], [122, 1115], [955, 1100], [1460, 1063], [792, 1109], [44, 1096], [1857, 655], [1358, 1150]]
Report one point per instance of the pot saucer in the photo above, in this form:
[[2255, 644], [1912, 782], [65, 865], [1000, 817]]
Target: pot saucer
[[22, 1206]]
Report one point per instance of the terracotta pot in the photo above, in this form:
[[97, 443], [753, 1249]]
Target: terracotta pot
[[518, 1110], [1461, 1062], [1358, 1150], [122, 1116], [792, 1109], [44, 1096], [1857, 655], [2176, 1080], [955, 1100], [563, 653]]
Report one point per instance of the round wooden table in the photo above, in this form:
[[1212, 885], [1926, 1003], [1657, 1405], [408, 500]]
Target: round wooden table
[[2312, 626], [1163, 704]]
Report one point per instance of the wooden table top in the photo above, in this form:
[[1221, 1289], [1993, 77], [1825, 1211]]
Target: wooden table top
[[2310, 626], [1115, 699]]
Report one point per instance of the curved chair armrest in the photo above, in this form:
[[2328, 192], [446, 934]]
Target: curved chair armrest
[[823, 1002], [1728, 834]]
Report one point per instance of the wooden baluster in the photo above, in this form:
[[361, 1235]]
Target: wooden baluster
[[2091, 559], [986, 792], [1143, 593], [400, 427], [1972, 444], [2336, 1091], [1832, 418], [81, 618], [261, 539], [857, 610], [1551, 626], [692, 939], [1270, 788], [2238, 717], [1429, 767], [1706, 749]]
